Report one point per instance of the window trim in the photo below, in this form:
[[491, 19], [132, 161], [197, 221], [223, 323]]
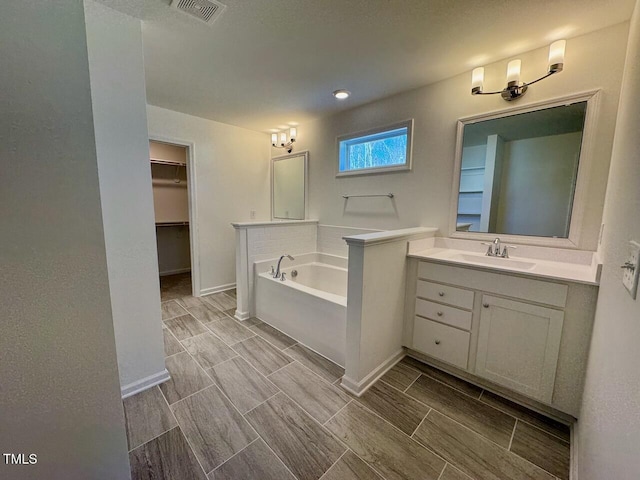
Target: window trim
[[408, 124]]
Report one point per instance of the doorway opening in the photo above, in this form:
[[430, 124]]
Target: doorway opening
[[171, 201]]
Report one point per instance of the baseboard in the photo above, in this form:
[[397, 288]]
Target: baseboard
[[358, 388], [175, 272], [145, 383], [218, 289], [242, 315]]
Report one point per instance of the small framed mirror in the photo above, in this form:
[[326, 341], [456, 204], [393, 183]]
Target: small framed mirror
[[289, 186], [520, 173]]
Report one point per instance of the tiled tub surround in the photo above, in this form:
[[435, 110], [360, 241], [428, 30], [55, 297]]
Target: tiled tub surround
[[265, 407], [311, 307]]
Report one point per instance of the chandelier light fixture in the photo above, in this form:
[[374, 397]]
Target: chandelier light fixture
[[515, 89]]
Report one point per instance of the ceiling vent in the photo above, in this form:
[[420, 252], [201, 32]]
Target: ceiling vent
[[207, 11]]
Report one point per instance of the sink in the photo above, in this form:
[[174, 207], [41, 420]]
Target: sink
[[494, 261]]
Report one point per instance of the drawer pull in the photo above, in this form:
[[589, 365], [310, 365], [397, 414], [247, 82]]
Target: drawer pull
[[485, 305], [440, 314], [441, 294], [437, 342]]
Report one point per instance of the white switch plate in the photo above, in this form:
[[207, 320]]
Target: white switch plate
[[252, 214], [630, 275]]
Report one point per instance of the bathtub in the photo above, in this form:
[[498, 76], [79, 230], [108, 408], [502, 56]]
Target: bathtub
[[311, 306]]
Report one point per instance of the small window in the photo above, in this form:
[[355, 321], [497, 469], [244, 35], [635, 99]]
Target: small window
[[380, 150]]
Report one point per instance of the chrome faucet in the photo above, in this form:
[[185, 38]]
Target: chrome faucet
[[494, 249], [277, 272]]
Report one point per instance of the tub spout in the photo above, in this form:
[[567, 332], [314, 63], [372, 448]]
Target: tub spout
[[277, 274]]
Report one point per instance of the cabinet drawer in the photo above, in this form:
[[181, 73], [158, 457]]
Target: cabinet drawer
[[444, 314], [441, 341], [443, 293]]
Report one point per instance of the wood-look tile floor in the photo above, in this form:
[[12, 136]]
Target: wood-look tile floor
[[248, 402]]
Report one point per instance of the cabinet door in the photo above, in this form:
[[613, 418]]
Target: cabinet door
[[518, 345]]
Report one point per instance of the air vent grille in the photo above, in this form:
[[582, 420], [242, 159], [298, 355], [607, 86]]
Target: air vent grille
[[206, 10]]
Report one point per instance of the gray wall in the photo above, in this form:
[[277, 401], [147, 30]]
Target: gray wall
[[114, 42], [423, 195], [608, 436], [59, 389]]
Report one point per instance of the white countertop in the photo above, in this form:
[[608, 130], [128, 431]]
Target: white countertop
[[577, 272]]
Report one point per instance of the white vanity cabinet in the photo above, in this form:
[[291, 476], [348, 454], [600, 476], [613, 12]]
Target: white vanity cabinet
[[524, 334], [518, 345]]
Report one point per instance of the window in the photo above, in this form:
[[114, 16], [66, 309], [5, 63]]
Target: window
[[380, 150]]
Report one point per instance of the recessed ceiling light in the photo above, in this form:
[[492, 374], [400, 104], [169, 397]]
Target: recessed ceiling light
[[341, 94]]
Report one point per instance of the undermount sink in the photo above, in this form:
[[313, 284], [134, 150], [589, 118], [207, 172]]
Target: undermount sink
[[493, 261]]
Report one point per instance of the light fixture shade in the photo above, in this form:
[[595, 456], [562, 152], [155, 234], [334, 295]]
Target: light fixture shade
[[283, 138], [274, 138], [556, 55], [293, 133], [477, 80], [513, 72], [341, 94]]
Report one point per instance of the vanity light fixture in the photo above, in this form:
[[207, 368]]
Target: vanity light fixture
[[341, 94], [285, 143], [515, 89]]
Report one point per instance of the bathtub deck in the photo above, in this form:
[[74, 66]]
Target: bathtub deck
[[248, 402]]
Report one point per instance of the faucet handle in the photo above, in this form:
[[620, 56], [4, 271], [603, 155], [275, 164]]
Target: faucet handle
[[282, 279], [505, 250], [490, 252]]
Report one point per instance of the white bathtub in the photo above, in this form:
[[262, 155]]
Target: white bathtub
[[311, 307]]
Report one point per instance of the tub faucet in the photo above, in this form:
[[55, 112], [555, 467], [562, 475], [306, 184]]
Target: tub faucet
[[277, 274]]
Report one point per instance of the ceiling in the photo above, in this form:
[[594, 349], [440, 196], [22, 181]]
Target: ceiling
[[266, 63]]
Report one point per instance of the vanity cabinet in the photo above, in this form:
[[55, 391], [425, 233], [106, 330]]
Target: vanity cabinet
[[524, 334], [518, 345]]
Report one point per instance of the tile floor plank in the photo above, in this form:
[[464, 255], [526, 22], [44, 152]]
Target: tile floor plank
[[395, 407], [318, 398], [480, 417], [401, 376], [186, 377], [444, 377], [452, 473], [208, 350], [206, 313], [184, 327], [221, 301], [522, 413], [214, 428], [244, 386], [262, 355], [250, 322], [350, 467], [305, 447], [273, 336], [189, 301], [315, 362], [473, 454], [171, 345], [229, 330], [167, 457], [543, 449], [146, 416], [256, 462], [171, 309], [390, 452]]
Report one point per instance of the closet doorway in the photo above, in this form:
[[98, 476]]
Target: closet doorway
[[170, 175]]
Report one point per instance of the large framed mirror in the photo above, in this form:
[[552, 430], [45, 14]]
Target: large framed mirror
[[289, 186], [520, 174]]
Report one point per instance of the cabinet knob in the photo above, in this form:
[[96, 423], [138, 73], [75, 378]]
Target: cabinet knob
[[439, 314], [441, 294], [485, 305], [437, 342]]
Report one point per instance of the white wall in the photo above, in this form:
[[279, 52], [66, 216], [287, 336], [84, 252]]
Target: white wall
[[231, 169], [423, 195], [59, 389], [114, 42], [538, 178], [609, 426]]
